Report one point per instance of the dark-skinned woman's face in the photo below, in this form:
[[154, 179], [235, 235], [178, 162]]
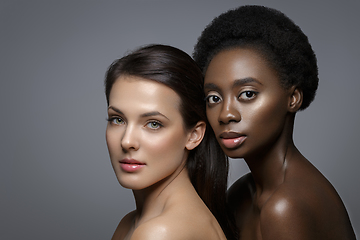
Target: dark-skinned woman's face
[[246, 105]]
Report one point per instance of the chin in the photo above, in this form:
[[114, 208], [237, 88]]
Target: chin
[[233, 153], [244, 151], [132, 186], [134, 183], [129, 183]]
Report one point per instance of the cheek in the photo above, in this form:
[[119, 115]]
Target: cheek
[[167, 146], [212, 116], [112, 141], [267, 115]]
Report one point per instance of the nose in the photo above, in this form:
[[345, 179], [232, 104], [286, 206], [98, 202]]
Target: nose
[[229, 112], [129, 141]]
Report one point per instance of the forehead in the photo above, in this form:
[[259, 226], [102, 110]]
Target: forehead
[[240, 63], [135, 93]]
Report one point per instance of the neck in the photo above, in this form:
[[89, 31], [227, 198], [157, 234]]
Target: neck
[[268, 167], [151, 201]]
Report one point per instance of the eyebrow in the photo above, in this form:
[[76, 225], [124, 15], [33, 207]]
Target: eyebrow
[[115, 109], [148, 114], [237, 82], [211, 86], [243, 81], [153, 113]]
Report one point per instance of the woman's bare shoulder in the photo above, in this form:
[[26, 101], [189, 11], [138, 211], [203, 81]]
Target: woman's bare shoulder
[[175, 224], [124, 226], [285, 217], [301, 211]]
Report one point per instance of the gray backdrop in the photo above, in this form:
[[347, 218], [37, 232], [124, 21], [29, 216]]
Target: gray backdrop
[[56, 177]]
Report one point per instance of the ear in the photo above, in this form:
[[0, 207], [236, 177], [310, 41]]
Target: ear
[[196, 135], [296, 99]]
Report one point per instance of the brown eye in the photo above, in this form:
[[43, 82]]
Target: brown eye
[[247, 95], [213, 99]]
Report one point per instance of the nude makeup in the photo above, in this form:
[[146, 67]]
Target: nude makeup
[[231, 140], [131, 165], [144, 120], [246, 104]]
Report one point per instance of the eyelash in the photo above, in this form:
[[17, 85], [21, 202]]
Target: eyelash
[[253, 93], [207, 99], [159, 124], [112, 119]]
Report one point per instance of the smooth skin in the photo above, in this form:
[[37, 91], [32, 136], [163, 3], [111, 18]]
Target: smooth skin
[[145, 125], [284, 196]]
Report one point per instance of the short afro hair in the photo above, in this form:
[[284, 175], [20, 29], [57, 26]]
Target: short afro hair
[[273, 35]]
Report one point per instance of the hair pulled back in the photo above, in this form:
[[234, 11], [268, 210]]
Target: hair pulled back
[[273, 35], [207, 165]]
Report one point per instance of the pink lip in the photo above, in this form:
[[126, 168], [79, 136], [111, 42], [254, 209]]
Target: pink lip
[[131, 165], [232, 139]]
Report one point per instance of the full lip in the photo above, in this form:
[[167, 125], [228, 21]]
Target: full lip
[[231, 140], [230, 134], [131, 165], [131, 161]]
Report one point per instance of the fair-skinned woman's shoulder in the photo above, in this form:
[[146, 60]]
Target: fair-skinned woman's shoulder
[[178, 224], [124, 226]]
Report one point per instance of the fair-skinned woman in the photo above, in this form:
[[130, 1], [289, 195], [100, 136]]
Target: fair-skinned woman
[[160, 148]]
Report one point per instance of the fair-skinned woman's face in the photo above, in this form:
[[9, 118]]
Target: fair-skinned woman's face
[[145, 134], [246, 106]]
